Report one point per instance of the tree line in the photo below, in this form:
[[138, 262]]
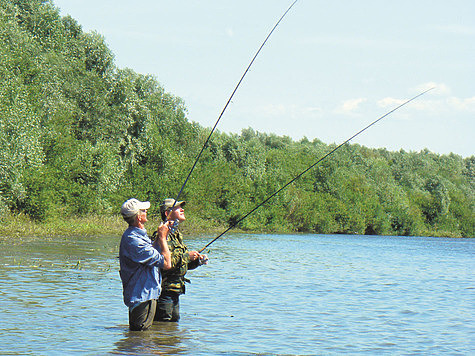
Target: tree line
[[79, 135]]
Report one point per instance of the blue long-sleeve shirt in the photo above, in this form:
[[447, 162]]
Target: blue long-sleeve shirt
[[140, 264]]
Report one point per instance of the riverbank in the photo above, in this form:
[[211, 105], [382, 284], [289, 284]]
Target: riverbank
[[109, 225], [22, 226]]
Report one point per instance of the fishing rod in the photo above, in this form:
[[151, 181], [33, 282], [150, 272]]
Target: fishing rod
[[310, 167], [175, 223], [229, 100]]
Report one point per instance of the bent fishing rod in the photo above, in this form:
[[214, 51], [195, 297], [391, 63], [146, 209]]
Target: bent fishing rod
[[310, 167], [229, 100]]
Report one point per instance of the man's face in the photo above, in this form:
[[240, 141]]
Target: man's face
[[142, 216], [176, 213]]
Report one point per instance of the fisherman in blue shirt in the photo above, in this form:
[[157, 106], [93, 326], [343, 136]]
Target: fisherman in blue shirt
[[140, 264]]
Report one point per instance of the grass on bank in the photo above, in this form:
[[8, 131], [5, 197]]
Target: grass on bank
[[20, 225]]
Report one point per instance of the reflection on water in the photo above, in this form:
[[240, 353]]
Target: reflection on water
[[161, 339], [260, 294]]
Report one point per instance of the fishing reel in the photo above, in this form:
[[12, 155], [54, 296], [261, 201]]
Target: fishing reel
[[172, 227], [204, 260]]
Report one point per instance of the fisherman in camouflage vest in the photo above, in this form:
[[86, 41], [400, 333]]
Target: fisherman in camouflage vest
[[173, 282]]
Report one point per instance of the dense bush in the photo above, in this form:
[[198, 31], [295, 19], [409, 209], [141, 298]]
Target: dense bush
[[79, 136]]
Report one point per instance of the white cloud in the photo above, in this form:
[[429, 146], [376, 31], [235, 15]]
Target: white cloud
[[273, 110], [350, 106], [467, 104], [389, 102], [312, 110], [443, 104], [439, 88], [446, 104], [432, 107], [457, 29], [229, 32]]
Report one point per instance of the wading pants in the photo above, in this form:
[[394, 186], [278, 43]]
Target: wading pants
[[168, 307], [141, 317]]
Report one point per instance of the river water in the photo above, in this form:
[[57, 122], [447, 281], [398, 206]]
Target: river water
[[260, 294]]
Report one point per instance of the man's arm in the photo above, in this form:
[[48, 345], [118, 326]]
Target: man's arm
[[196, 259], [161, 242]]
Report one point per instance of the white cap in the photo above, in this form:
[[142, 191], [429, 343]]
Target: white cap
[[132, 206]]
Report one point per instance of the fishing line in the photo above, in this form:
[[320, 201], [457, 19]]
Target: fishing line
[[310, 167], [229, 100]]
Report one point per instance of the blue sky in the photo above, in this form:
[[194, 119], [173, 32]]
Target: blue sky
[[329, 69]]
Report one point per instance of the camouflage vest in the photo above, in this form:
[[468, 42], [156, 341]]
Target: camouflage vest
[[174, 278]]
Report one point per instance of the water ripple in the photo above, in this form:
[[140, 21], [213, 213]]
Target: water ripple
[[260, 294]]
